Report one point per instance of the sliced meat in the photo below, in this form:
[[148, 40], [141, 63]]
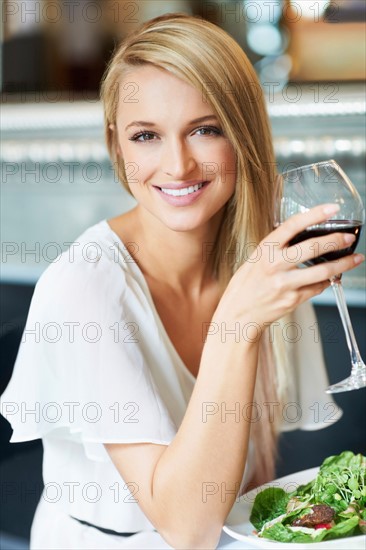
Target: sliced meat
[[320, 513]]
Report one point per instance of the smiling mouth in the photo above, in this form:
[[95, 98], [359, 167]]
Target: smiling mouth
[[184, 191]]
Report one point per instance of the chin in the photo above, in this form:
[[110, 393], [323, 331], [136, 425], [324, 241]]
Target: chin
[[182, 227], [185, 223]]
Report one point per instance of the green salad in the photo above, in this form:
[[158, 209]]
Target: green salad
[[332, 505]]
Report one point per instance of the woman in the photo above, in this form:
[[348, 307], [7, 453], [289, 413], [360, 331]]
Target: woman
[[145, 401]]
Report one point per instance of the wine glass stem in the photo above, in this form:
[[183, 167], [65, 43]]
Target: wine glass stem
[[347, 325]]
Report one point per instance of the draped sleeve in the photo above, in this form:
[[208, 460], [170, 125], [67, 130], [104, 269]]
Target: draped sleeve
[[82, 369], [307, 405]]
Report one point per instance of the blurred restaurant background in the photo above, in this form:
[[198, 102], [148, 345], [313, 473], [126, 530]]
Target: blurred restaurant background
[[57, 179]]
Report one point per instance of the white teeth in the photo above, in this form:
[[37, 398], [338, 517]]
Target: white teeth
[[181, 192]]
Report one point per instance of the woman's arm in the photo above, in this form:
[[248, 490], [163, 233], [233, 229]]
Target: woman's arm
[[187, 489]]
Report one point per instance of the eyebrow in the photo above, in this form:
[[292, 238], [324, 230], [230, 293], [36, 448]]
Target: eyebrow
[[151, 124]]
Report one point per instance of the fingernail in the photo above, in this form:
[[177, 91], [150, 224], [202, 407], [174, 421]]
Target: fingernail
[[349, 238], [358, 258], [331, 208]]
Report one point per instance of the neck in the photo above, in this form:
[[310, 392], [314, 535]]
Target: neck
[[181, 260]]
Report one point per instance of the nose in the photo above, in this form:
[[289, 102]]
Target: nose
[[177, 160]]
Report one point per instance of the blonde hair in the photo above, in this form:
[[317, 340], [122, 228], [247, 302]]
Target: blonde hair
[[206, 57]]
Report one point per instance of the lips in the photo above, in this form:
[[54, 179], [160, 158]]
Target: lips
[[183, 194], [182, 191]]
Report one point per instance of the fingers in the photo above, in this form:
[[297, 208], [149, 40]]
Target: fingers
[[308, 292], [319, 273], [310, 249], [299, 222]]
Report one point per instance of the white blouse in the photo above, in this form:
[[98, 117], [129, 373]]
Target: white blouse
[[97, 366]]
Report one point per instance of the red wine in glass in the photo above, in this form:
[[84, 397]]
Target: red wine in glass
[[334, 226], [303, 188]]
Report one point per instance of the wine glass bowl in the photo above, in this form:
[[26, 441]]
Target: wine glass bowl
[[297, 191], [302, 188]]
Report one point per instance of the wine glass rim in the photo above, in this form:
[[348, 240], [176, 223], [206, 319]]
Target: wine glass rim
[[308, 166]]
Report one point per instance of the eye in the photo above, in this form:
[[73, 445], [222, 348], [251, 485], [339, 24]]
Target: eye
[[209, 131], [143, 136]]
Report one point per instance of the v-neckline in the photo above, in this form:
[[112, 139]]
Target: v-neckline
[[135, 266]]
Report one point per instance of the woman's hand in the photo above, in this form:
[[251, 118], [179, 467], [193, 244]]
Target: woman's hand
[[269, 284]]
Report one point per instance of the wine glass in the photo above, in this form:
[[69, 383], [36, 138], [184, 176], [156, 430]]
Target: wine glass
[[299, 190]]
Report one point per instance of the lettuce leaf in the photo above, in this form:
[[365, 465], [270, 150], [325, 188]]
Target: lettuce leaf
[[269, 504], [284, 534], [344, 528]]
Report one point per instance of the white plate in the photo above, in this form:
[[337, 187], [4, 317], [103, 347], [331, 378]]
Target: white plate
[[239, 527]]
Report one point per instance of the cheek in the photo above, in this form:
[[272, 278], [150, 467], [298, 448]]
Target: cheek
[[218, 160], [229, 167], [136, 164]]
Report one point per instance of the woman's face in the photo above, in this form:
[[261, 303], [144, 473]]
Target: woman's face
[[180, 167]]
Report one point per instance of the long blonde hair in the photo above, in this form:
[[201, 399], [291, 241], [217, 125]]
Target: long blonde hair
[[206, 57]]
